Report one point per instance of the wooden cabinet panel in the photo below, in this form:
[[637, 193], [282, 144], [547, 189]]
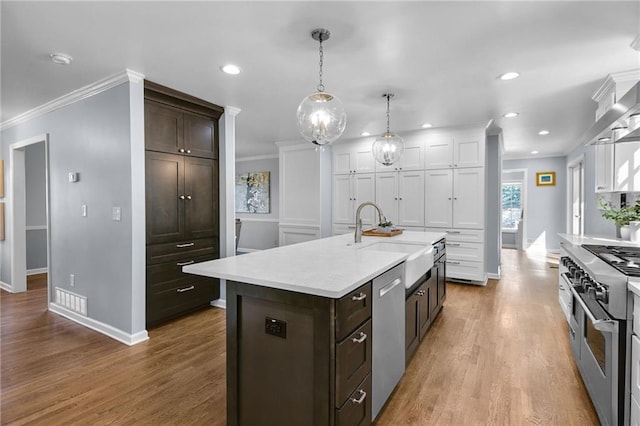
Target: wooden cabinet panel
[[357, 409], [353, 361], [352, 310], [200, 136], [167, 252], [424, 304], [201, 189], [412, 324], [163, 127], [164, 208]]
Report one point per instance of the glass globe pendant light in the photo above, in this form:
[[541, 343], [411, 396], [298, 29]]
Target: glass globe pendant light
[[321, 117], [388, 147]]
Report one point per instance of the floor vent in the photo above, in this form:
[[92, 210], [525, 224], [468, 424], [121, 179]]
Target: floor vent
[[71, 301]]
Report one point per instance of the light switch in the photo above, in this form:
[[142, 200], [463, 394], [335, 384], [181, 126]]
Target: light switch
[[74, 176], [84, 210], [116, 214]]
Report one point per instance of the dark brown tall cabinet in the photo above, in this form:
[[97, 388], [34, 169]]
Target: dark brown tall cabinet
[[182, 200]]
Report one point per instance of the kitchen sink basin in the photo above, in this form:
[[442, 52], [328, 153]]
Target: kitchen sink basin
[[420, 258]]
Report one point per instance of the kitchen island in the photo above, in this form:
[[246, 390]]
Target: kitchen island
[[299, 319]]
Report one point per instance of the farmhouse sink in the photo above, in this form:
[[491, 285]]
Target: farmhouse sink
[[420, 258]]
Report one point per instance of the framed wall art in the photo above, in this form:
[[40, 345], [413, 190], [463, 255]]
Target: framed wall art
[[546, 178], [252, 193]]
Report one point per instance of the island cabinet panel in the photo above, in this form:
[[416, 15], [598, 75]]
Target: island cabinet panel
[[295, 359], [182, 200]]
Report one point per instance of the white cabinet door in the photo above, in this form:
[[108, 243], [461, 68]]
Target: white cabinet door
[[626, 167], [342, 162], [635, 366], [342, 199], [468, 152], [468, 198], [364, 189], [413, 156], [604, 167], [411, 197], [363, 161], [438, 153], [635, 412], [438, 203], [387, 195]]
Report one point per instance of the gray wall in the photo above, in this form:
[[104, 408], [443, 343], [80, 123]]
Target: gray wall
[[594, 224], [93, 137], [545, 210], [493, 172], [36, 209], [260, 230]]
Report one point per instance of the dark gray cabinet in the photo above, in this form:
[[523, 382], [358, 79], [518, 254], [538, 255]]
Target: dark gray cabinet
[[298, 359], [182, 200]]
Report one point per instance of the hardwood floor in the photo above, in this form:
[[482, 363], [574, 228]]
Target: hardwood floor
[[496, 355]]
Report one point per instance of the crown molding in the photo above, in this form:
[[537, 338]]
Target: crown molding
[[75, 96], [258, 157], [231, 110], [611, 80]]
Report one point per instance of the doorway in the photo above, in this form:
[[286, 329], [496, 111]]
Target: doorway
[[575, 192], [29, 210], [513, 221]]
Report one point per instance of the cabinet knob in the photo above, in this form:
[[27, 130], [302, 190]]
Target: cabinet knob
[[400, 168], [455, 198], [449, 197], [455, 165], [400, 198], [181, 150], [450, 165], [182, 197], [188, 151], [188, 197], [396, 198]]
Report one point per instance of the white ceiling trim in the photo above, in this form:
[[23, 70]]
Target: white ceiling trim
[[75, 96], [257, 157]]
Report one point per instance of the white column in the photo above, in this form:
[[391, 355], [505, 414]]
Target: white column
[[227, 194]]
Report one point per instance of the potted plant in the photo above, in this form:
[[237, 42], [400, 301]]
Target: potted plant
[[385, 225], [622, 216]]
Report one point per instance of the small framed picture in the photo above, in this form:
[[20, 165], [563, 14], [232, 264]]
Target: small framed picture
[[545, 178]]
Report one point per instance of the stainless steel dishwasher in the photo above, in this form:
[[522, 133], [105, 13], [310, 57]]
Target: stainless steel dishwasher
[[388, 335]]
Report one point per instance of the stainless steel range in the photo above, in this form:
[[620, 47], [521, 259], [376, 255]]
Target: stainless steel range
[[599, 313]]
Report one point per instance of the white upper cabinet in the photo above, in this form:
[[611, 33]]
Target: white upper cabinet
[[412, 158], [626, 167], [387, 195], [462, 150], [400, 195], [353, 158], [438, 198], [468, 198], [349, 191], [604, 167]]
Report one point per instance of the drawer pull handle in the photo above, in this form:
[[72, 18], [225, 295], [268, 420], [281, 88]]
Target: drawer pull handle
[[185, 245], [359, 297], [451, 262], [186, 263], [452, 232], [360, 400], [360, 339], [182, 290], [454, 244]]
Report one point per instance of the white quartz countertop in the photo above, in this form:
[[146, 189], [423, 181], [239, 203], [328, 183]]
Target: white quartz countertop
[[329, 267], [578, 240]]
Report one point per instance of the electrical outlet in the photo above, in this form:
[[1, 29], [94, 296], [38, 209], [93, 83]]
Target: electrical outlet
[[72, 280], [84, 210], [116, 214]]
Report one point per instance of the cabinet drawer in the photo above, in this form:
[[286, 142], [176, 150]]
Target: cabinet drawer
[[180, 298], [459, 234], [357, 409], [465, 270], [352, 310], [159, 253], [162, 273], [465, 251], [353, 361]]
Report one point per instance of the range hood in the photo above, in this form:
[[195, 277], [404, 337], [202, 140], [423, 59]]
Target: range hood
[[617, 116]]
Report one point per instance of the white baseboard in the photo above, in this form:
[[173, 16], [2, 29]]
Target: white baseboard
[[509, 246], [6, 287], [37, 271], [219, 303], [106, 329], [493, 276]]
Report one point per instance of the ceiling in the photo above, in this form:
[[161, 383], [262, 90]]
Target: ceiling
[[441, 59]]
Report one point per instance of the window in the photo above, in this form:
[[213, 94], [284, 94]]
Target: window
[[511, 205]]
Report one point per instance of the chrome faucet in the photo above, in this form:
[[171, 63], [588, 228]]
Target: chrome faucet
[[358, 235]]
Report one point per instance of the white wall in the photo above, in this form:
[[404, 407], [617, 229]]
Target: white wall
[[260, 230], [545, 211]]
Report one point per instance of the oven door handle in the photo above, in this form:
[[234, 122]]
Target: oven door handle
[[604, 325]]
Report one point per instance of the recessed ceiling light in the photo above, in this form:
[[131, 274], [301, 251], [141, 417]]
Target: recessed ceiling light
[[543, 132], [509, 75], [426, 125], [365, 134], [231, 69], [60, 58], [511, 114], [534, 152], [604, 139]]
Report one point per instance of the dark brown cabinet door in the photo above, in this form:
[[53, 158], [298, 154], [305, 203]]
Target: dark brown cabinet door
[[163, 128], [412, 328], [164, 206], [424, 312], [201, 193], [200, 136], [442, 281]]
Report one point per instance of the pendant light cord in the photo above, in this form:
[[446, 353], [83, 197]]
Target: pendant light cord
[[388, 97], [321, 86]]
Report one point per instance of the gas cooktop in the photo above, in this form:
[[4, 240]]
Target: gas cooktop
[[624, 259]]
